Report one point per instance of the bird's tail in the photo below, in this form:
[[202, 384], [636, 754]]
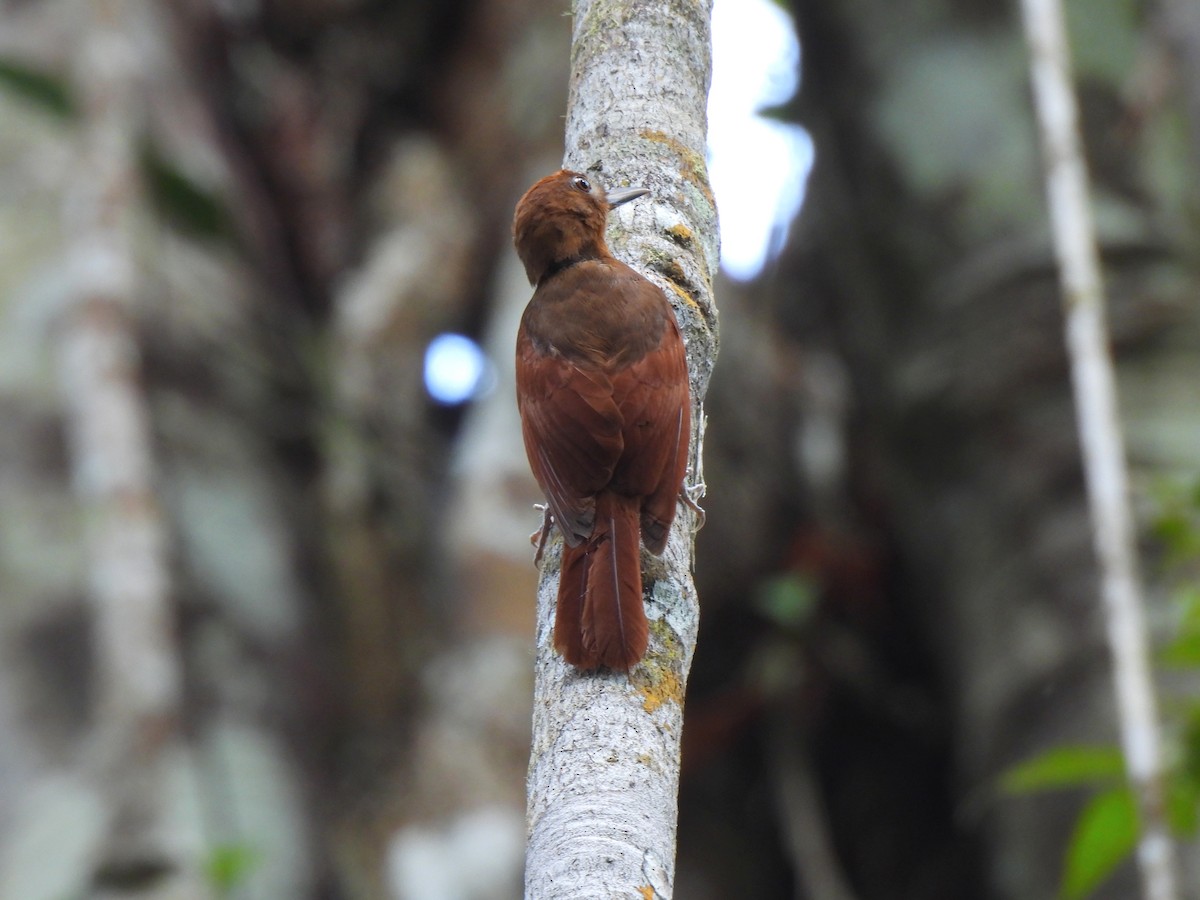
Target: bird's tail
[[600, 620]]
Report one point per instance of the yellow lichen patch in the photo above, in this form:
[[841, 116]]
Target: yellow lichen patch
[[646, 891], [682, 235], [661, 686], [691, 163], [672, 269], [685, 296], [671, 647]]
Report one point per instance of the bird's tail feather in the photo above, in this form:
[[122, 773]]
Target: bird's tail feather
[[600, 619]]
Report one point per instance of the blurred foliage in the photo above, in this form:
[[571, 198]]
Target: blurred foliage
[[1177, 522], [788, 600], [228, 866], [181, 201], [1065, 767], [184, 203], [43, 90], [1104, 836], [1184, 649], [1106, 831]]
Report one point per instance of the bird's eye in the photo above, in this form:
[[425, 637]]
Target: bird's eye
[[582, 183]]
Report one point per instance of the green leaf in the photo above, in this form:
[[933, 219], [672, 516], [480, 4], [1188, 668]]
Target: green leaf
[[1064, 767], [1183, 805], [1179, 532], [1184, 648], [40, 88], [228, 865], [189, 206], [1187, 598], [1104, 836], [1172, 528], [1189, 738], [1182, 653]]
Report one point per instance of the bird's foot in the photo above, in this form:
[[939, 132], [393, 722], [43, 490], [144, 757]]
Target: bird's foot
[[539, 537], [689, 495]]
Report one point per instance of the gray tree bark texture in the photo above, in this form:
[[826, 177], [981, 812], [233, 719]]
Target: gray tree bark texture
[[604, 769], [139, 682]]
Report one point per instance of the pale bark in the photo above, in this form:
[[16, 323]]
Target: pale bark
[[1100, 437], [604, 772], [108, 422], [471, 742]]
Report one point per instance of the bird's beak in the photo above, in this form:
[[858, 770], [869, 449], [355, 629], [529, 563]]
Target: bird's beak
[[624, 195]]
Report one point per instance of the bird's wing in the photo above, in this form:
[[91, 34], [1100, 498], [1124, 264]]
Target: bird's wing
[[572, 431], [653, 398]]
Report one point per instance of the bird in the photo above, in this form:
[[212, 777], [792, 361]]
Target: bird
[[604, 399]]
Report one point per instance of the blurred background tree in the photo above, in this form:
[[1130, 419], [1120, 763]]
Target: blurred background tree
[[896, 576]]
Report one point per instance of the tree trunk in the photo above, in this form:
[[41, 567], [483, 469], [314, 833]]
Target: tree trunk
[[604, 773], [139, 694]]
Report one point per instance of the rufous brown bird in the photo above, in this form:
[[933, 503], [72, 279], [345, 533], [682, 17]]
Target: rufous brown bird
[[602, 387]]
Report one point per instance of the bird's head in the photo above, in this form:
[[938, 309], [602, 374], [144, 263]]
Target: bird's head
[[561, 220]]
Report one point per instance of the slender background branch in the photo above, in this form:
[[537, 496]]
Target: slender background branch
[[1100, 435]]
